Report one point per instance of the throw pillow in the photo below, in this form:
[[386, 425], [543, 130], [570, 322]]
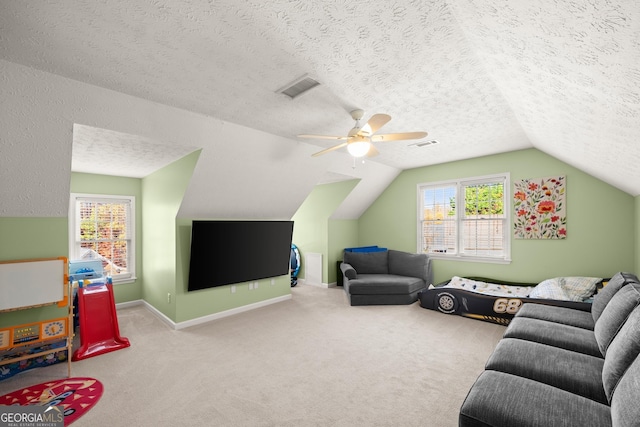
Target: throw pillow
[[550, 289], [580, 288]]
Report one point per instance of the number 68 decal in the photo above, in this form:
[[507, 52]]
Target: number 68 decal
[[506, 305]]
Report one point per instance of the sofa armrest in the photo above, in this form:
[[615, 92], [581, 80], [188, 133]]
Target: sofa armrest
[[348, 271], [428, 273]]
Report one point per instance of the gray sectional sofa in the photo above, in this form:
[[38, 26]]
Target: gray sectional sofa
[[385, 277], [558, 366]]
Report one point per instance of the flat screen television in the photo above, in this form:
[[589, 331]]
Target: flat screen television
[[227, 252]]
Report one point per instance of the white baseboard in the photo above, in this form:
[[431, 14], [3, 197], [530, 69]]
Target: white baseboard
[[320, 285], [203, 319], [129, 304]]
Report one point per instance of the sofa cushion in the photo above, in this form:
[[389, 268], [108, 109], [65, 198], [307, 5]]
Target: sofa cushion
[[615, 314], [605, 294], [622, 352], [625, 411], [408, 264], [370, 284], [368, 262], [567, 370], [501, 399], [554, 334], [555, 314]]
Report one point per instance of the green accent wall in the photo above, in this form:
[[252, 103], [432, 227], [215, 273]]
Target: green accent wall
[[163, 192], [601, 221], [343, 233], [162, 250], [28, 238], [312, 229], [603, 233], [32, 238], [166, 252]]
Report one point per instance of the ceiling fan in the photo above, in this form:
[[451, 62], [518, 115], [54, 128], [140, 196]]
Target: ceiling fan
[[360, 138]]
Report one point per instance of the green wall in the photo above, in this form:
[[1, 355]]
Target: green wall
[[31, 238], [311, 232], [114, 185], [164, 244], [343, 233], [166, 248], [162, 250], [600, 220], [603, 233], [27, 238], [163, 192]]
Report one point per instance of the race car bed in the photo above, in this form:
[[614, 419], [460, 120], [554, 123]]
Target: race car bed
[[498, 301]]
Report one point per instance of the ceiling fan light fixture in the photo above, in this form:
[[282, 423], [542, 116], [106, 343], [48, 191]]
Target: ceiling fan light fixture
[[359, 148], [359, 141]]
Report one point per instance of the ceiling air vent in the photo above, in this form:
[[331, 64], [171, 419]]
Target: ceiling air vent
[[425, 143], [298, 87]]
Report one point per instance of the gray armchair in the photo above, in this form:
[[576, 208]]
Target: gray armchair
[[386, 277]]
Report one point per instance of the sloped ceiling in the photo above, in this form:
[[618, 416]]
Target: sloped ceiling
[[129, 155], [570, 71], [481, 76]]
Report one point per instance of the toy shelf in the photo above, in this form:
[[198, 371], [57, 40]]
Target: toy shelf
[[28, 284]]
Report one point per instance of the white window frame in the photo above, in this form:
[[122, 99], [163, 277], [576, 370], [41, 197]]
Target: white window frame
[[459, 185], [74, 230]]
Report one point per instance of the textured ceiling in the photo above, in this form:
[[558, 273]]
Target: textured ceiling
[[115, 153], [481, 76]]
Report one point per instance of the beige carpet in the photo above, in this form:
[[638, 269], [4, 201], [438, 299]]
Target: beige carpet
[[310, 361]]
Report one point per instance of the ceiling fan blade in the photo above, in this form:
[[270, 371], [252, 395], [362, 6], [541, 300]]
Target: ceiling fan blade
[[373, 151], [327, 150], [398, 136], [376, 122], [323, 137]]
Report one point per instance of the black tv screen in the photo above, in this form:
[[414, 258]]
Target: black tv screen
[[227, 252]]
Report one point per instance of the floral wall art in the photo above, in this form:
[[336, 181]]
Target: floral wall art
[[539, 208]]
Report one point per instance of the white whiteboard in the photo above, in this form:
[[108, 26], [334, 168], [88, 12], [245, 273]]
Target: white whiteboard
[[27, 283]]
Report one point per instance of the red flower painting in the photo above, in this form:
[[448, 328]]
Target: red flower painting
[[540, 208], [546, 206]]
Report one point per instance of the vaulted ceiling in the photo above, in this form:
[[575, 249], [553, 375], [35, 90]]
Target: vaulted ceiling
[[480, 76]]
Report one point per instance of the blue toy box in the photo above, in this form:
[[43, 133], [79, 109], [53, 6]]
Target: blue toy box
[[366, 249]]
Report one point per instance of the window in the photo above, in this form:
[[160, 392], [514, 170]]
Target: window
[[103, 227], [479, 232]]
